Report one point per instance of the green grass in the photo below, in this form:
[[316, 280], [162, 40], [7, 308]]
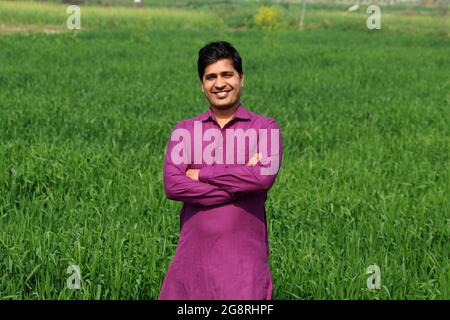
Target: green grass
[[217, 16], [40, 14], [365, 117]]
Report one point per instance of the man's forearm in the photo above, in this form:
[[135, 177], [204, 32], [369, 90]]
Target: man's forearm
[[237, 179], [182, 188]]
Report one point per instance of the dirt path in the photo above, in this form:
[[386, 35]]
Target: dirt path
[[10, 29]]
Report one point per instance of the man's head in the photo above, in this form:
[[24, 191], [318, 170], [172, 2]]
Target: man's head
[[221, 76]]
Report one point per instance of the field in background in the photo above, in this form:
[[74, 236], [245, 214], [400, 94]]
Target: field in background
[[85, 117], [200, 15]]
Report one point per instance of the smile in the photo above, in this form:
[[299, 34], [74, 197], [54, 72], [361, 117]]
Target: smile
[[222, 94]]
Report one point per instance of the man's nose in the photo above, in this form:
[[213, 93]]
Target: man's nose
[[220, 83]]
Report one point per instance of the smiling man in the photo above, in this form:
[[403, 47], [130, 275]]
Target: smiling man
[[221, 165]]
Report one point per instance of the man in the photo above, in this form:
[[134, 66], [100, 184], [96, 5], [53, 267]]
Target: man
[[221, 165]]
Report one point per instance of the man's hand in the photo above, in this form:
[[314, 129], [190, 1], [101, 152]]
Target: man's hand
[[254, 160], [193, 174]]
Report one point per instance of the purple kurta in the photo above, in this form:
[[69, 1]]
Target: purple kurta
[[223, 246]]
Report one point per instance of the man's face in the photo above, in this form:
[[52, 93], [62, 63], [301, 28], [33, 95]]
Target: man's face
[[222, 84]]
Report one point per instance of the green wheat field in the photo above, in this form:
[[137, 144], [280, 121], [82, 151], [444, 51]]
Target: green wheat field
[[85, 116]]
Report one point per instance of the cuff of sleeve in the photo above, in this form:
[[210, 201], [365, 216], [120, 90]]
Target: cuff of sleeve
[[205, 174]]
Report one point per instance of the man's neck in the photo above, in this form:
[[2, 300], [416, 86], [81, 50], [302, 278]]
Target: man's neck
[[226, 114]]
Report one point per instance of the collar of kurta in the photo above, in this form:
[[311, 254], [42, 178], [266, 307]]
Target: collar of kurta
[[240, 113]]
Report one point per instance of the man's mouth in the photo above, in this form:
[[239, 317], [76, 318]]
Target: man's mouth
[[222, 94]]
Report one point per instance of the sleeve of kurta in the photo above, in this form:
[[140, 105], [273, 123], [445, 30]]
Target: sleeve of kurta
[[247, 179], [177, 186]]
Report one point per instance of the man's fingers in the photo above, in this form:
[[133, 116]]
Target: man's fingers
[[251, 162], [193, 173], [254, 160]]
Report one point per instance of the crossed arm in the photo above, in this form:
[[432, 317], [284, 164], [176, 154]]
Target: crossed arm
[[217, 184]]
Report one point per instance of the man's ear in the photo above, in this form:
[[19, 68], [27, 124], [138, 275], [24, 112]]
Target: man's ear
[[242, 79], [201, 86]]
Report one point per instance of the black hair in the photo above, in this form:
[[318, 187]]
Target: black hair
[[215, 51]]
